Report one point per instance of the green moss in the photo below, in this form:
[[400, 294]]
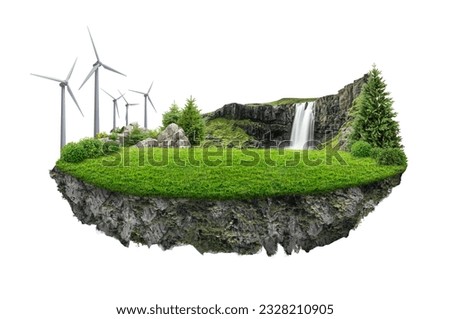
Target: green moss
[[221, 131]]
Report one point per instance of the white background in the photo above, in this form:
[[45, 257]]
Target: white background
[[395, 265]]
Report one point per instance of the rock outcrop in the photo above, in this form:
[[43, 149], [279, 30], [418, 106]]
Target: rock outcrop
[[173, 136], [148, 142], [332, 113], [267, 124], [242, 226]]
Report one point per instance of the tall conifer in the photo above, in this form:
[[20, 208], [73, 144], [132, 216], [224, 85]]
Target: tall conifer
[[192, 122], [374, 118]]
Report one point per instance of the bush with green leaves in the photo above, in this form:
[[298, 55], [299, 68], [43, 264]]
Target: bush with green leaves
[[392, 156], [374, 116], [87, 148], [138, 134], [172, 115], [153, 133], [192, 122], [110, 147], [113, 136], [135, 136], [73, 153], [118, 130], [92, 147], [375, 153], [361, 149], [101, 135]]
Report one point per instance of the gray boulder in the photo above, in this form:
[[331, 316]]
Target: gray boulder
[[173, 136], [148, 142]]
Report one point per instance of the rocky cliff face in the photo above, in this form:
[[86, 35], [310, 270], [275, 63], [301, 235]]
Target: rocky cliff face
[[242, 226], [272, 125], [268, 125], [332, 112]]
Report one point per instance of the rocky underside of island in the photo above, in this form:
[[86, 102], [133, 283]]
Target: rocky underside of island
[[296, 222]]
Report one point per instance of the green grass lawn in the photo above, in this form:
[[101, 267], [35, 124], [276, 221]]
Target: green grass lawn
[[226, 174]]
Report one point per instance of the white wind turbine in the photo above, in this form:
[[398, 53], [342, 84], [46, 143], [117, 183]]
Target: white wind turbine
[[115, 108], [126, 108], [63, 84], [146, 96], [95, 69]]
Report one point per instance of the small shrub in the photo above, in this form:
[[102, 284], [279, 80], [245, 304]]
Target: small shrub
[[392, 156], [136, 129], [375, 153], [154, 133], [134, 138], [110, 148], [92, 147], [101, 135], [113, 136], [118, 129], [361, 149], [73, 153], [138, 134]]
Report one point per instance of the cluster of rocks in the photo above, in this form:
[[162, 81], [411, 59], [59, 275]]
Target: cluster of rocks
[[172, 136]]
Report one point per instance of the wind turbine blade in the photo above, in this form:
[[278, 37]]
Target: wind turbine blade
[[92, 40], [151, 103], [117, 110], [123, 96], [74, 99], [109, 94], [111, 69], [71, 70], [133, 104], [150, 88], [47, 77], [137, 92], [90, 74], [120, 96]]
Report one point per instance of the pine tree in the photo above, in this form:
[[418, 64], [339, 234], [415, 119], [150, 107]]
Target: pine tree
[[192, 122], [374, 117], [172, 115]]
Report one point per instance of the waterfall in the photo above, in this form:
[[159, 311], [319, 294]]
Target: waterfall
[[302, 133]]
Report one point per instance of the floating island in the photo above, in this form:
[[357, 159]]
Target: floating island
[[243, 188]]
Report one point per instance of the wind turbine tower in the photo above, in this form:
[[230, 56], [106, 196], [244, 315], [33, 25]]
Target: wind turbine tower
[[126, 108], [146, 97], [115, 108]]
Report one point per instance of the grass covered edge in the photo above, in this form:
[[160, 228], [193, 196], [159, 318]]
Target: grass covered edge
[[227, 173]]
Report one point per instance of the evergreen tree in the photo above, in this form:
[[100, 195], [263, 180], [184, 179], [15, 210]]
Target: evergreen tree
[[172, 115], [192, 122], [374, 117]]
